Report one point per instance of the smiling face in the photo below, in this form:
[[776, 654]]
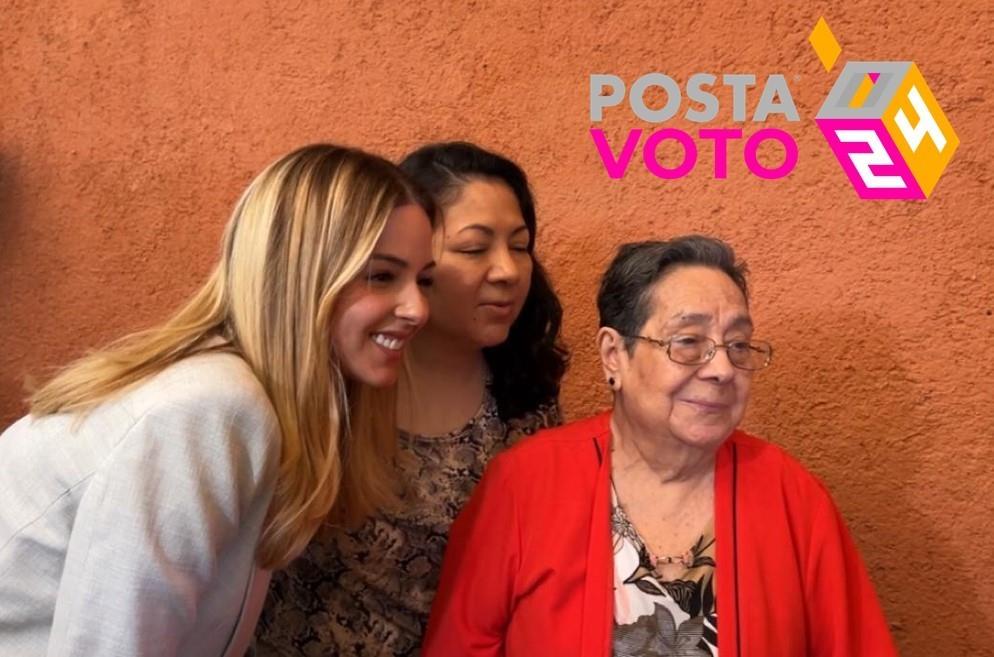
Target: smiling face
[[698, 405], [379, 312], [484, 267]]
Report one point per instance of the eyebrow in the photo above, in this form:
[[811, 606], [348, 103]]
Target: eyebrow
[[490, 231], [685, 319], [400, 262]]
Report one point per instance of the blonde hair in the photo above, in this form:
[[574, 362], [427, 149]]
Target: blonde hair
[[304, 228]]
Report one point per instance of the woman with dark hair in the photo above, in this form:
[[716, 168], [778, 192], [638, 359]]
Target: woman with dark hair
[[658, 527], [482, 373]]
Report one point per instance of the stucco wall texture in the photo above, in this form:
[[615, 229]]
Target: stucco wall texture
[[127, 130]]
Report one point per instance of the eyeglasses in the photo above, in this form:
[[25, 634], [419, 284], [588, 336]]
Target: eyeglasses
[[696, 350]]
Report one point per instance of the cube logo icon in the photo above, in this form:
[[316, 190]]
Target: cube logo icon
[[883, 124], [887, 130]]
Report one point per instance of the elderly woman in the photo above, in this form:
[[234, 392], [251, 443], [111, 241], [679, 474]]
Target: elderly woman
[[632, 532]]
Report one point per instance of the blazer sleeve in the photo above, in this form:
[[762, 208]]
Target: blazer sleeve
[[843, 613], [157, 520], [476, 593]]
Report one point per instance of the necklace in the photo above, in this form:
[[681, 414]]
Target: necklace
[[686, 559]]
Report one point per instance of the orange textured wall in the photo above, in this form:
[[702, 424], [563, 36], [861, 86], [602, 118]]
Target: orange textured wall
[[127, 130]]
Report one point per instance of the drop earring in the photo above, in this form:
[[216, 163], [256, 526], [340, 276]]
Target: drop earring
[[610, 381]]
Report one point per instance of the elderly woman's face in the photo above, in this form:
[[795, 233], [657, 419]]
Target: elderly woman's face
[[695, 404]]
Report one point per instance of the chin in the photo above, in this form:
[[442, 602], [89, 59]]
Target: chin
[[378, 378], [491, 337], [709, 437]]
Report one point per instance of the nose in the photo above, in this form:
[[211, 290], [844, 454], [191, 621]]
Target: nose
[[503, 267], [412, 305], [719, 368]]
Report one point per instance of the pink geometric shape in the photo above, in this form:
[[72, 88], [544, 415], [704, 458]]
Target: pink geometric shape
[[896, 166], [873, 77]]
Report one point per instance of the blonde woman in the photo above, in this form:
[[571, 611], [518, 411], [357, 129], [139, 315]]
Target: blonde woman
[[156, 483]]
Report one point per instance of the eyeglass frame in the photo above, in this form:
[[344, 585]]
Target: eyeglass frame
[[666, 344]]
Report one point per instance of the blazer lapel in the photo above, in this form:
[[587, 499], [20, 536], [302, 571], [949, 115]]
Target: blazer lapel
[[726, 532], [598, 601]]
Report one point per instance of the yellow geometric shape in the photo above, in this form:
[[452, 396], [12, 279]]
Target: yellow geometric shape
[[862, 93], [824, 43], [920, 130]]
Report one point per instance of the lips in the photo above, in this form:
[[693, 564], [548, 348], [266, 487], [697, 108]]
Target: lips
[[705, 405], [498, 312]]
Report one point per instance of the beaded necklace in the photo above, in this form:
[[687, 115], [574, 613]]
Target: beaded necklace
[[686, 559]]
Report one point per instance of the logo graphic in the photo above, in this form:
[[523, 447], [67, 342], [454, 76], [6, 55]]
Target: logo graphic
[[609, 91], [883, 124]]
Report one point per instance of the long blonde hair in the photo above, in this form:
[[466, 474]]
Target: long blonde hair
[[303, 229]]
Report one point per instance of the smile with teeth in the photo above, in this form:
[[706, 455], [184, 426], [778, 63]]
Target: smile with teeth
[[388, 342]]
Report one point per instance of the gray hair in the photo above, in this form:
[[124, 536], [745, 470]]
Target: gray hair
[[625, 297]]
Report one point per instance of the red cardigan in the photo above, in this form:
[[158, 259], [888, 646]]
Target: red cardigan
[[529, 567]]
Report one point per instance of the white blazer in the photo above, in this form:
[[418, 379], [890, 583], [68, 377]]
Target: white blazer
[[134, 533]]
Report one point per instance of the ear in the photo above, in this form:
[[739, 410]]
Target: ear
[[614, 355]]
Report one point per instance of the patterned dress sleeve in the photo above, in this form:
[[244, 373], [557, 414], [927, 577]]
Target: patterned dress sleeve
[[545, 416], [475, 598]]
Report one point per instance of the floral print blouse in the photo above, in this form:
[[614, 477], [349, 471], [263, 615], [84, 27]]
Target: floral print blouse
[[368, 592], [654, 617]]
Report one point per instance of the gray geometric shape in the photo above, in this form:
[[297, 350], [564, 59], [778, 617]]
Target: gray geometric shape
[[836, 106]]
